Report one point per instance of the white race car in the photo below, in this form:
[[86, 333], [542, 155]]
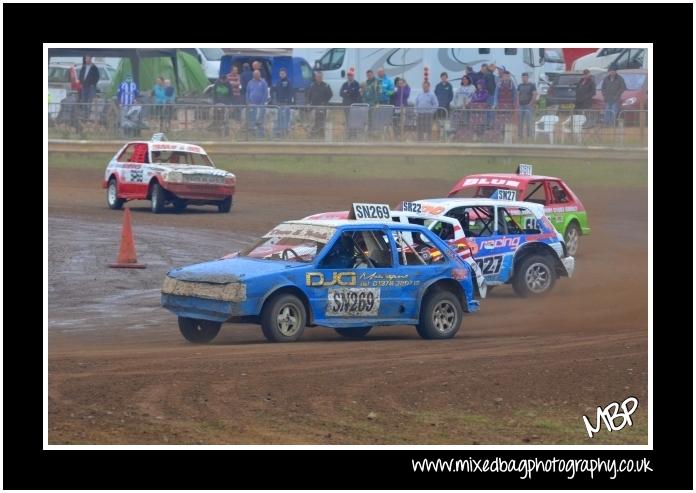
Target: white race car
[[167, 172]]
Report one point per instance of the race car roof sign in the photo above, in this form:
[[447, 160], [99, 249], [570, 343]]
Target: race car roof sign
[[366, 212], [524, 169]]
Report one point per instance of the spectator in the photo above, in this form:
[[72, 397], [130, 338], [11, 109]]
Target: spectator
[[505, 97], [236, 85], [387, 86], [350, 90], [426, 105], [463, 95], [283, 95], [127, 92], [403, 91], [89, 76], [222, 91], [444, 93], [319, 94], [125, 99], [480, 94], [159, 95], [496, 71], [613, 87], [480, 75], [350, 94], [257, 65], [489, 79], [584, 92], [371, 89], [244, 78], [74, 80], [527, 99], [256, 97], [170, 94]]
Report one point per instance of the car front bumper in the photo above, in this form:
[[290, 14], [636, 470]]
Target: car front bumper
[[199, 191]]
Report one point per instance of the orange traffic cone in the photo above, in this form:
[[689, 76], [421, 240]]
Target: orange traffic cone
[[126, 253]]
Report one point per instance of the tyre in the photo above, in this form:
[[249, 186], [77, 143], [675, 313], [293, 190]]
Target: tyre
[[180, 205], [225, 205], [157, 197], [283, 318], [354, 332], [572, 238], [440, 316], [534, 276], [112, 195], [198, 331]]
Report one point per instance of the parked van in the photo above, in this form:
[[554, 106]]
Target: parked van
[[209, 59], [623, 58], [409, 63]]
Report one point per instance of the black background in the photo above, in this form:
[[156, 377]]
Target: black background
[[26, 27]]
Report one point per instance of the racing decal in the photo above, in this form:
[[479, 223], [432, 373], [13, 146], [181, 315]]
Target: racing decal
[[412, 207], [490, 265], [317, 279], [312, 232], [136, 175], [350, 302], [531, 223], [433, 210], [490, 181], [376, 279], [371, 211], [511, 242]]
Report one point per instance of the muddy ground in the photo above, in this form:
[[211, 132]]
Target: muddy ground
[[518, 372]]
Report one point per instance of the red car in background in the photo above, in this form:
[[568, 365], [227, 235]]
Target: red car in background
[[634, 98]]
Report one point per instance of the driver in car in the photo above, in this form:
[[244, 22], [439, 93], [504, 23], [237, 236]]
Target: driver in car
[[342, 255]]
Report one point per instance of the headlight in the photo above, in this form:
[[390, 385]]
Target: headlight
[[174, 177], [230, 179], [629, 101]]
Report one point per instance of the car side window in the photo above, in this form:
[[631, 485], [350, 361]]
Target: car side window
[[414, 250], [508, 221], [475, 220], [365, 249], [557, 193], [535, 193], [127, 154]]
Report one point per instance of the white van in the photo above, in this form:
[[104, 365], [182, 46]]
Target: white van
[[623, 58], [409, 63], [209, 59]]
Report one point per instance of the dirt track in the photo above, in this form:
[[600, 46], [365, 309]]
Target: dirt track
[[519, 371]]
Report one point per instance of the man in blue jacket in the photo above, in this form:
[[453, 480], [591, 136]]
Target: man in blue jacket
[[256, 98], [387, 87]]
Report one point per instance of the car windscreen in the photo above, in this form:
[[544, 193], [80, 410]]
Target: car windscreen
[[291, 241], [181, 157]]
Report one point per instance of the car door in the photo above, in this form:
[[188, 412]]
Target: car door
[[130, 163], [558, 202], [355, 282], [419, 260]]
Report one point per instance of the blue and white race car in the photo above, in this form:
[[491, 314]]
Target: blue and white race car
[[345, 274], [512, 241]]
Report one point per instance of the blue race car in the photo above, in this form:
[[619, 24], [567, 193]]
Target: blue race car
[[345, 274]]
